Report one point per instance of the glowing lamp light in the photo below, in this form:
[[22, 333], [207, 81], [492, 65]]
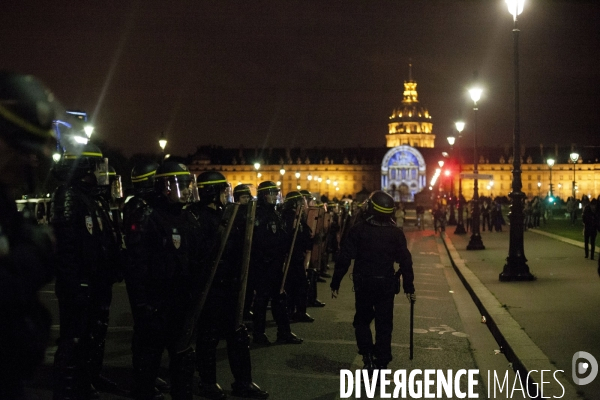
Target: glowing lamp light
[[328, 181], [441, 163], [297, 175], [309, 177], [259, 175], [88, 129], [460, 125], [515, 7], [574, 157], [56, 157], [278, 183], [256, 165], [80, 139], [447, 173], [550, 162], [475, 94], [451, 140], [298, 187], [282, 171]]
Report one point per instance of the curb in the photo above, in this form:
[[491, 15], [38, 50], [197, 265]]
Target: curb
[[516, 345]]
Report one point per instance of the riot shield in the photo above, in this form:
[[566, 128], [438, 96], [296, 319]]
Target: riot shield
[[318, 242], [227, 221], [250, 217], [288, 259]]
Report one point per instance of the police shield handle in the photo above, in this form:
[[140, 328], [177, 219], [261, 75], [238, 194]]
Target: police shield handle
[[222, 235], [250, 217], [288, 259]]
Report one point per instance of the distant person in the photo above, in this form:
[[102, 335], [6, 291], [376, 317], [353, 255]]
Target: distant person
[[590, 227], [399, 215], [375, 244]]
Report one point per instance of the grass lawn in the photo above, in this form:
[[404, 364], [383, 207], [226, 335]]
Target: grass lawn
[[560, 225]]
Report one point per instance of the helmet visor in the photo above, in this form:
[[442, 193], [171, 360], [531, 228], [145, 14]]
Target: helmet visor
[[116, 188], [179, 188], [102, 172]]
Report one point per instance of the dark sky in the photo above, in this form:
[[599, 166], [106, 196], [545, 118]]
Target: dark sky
[[308, 73]]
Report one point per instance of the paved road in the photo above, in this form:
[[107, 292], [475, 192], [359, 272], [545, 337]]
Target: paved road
[[448, 335]]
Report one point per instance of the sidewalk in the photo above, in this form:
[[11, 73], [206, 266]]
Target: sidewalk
[[541, 324]]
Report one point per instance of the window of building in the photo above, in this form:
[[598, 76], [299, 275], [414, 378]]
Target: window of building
[[529, 185]]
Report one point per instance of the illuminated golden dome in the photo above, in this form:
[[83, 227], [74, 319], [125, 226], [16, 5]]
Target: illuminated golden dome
[[410, 124]]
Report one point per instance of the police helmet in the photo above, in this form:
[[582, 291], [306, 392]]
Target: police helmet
[[265, 188], [27, 110], [174, 181], [80, 161], [142, 177], [293, 200], [241, 190], [380, 205], [211, 184]]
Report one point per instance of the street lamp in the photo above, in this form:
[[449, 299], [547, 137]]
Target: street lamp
[[88, 129], [539, 189], [574, 157], [452, 219], [162, 142], [460, 225], [475, 243], [516, 268], [258, 174], [550, 163]]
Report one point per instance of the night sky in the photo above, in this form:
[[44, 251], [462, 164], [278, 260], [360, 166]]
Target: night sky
[[308, 73]]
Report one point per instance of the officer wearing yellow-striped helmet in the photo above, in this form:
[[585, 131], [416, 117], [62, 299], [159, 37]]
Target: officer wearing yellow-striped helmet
[[173, 180]]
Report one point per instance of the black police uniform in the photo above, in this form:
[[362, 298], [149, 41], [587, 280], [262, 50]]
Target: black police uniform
[[88, 246], [26, 264], [160, 276], [218, 318], [375, 246], [296, 284], [270, 244]]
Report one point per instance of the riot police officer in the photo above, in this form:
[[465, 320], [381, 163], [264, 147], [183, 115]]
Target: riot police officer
[[270, 243], [27, 109], [242, 194], [144, 194], [162, 270], [375, 244], [88, 246], [296, 285], [218, 318]]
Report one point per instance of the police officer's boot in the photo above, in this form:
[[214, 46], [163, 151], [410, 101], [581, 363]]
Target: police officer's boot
[[146, 362], [312, 289], [369, 363], [70, 379], [182, 375], [206, 363], [238, 352]]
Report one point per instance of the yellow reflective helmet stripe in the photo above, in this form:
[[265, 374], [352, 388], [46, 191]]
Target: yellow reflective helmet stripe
[[71, 156], [381, 209], [293, 197], [268, 187], [172, 174], [143, 177], [212, 182]]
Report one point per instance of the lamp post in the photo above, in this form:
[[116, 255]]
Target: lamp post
[[574, 157], [256, 168], [460, 225], [452, 219], [309, 178], [475, 243], [550, 163], [162, 142], [516, 268]]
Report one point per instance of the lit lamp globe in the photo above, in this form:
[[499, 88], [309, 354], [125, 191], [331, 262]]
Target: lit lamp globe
[[56, 157], [515, 7], [460, 126], [451, 140], [475, 94], [256, 166], [282, 171], [88, 129], [550, 162], [574, 157]]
